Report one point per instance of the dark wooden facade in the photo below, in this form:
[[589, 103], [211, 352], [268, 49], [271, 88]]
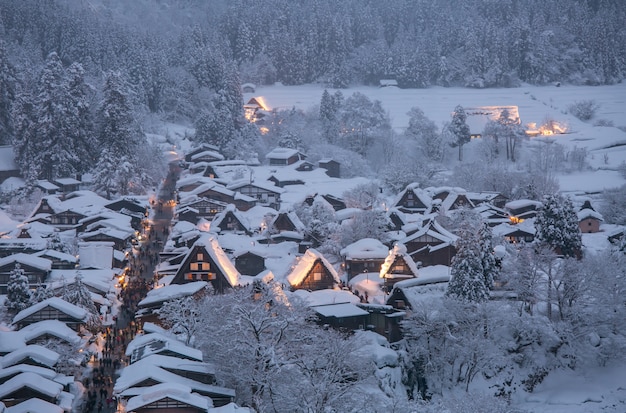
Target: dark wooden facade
[[35, 275], [333, 168], [250, 263]]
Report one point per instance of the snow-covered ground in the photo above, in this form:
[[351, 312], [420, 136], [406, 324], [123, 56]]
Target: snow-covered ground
[[535, 104]]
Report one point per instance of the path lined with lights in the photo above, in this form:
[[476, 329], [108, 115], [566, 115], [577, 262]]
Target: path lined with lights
[[105, 370]]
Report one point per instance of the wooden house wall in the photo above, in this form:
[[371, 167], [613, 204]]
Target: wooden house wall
[[356, 267], [66, 219], [442, 256], [283, 223], [250, 264], [168, 405], [23, 394]]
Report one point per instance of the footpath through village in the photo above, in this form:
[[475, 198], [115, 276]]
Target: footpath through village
[[104, 367]]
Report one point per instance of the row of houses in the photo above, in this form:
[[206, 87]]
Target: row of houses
[[47, 341]]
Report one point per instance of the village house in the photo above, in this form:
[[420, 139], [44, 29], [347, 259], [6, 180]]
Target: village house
[[266, 194], [431, 245], [52, 309], [523, 208], [25, 386], [589, 220], [413, 199], [364, 255], [147, 309], [203, 147], [206, 261], [284, 156], [230, 220], [333, 167], [312, 272], [398, 266], [36, 269]]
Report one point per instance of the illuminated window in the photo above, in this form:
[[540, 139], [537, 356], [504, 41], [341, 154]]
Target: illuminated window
[[317, 276], [200, 257], [189, 276], [195, 266]]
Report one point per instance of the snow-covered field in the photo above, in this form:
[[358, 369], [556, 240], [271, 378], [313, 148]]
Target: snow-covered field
[[535, 104]]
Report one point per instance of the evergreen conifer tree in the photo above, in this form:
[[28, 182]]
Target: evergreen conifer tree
[[557, 225], [40, 294], [18, 291], [467, 282], [487, 257], [78, 294], [459, 129]]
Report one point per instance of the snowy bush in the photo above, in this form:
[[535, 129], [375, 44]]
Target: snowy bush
[[603, 122], [584, 109]]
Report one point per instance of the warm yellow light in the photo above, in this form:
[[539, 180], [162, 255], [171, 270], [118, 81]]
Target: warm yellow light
[[515, 220]]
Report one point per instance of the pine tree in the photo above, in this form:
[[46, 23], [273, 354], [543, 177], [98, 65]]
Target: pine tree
[[78, 294], [467, 282], [54, 150], [18, 290], [459, 129], [557, 225], [487, 257], [40, 294], [8, 81]]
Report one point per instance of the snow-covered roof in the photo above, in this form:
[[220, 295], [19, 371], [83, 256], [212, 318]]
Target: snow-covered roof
[[366, 248], [34, 381], [175, 391], [101, 280], [36, 352], [61, 256], [132, 375], [27, 259], [56, 302], [589, 213], [176, 363], [50, 327], [67, 181], [153, 343], [325, 297], [34, 405], [47, 185], [282, 153], [172, 292], [304, 265], [522, 203], [24, 368], [213, 154], [270, 187], [339, 310]]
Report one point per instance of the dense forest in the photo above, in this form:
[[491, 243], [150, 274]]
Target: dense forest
[[185, 61]]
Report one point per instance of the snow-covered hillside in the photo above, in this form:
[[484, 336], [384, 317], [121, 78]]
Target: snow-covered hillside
[[606, 145]]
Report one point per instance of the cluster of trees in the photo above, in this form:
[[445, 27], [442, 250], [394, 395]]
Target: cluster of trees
[[420, 43], [567, 312]]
